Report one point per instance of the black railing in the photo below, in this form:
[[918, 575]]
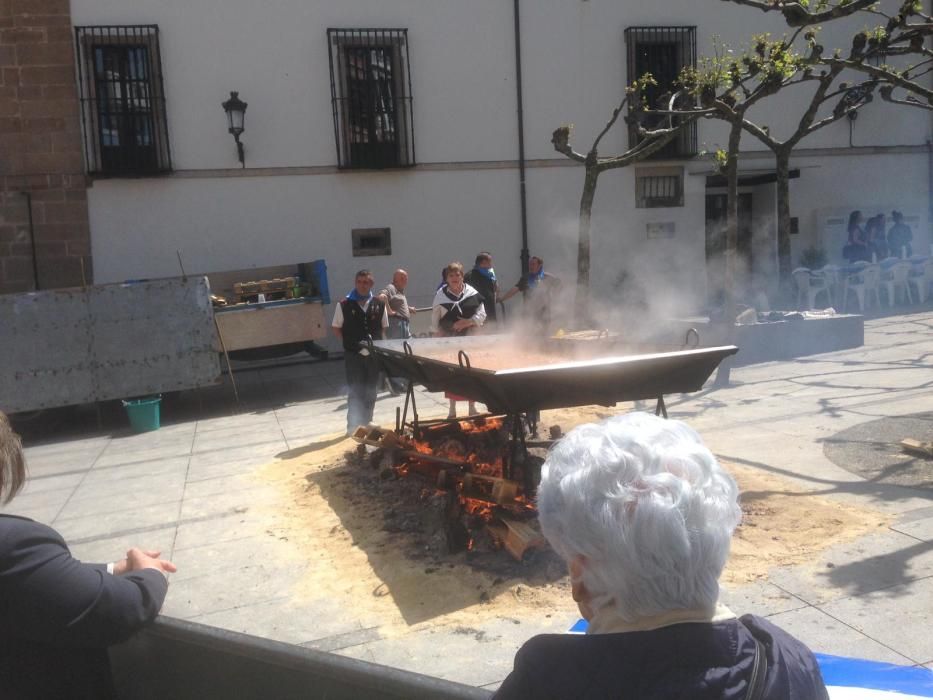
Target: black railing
[[370, 87], [663, 52], [122, 99]]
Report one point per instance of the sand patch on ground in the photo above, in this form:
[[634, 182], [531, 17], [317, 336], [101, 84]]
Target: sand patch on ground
[[381, 577]]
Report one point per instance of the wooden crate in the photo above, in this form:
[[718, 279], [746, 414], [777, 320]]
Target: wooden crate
[[279, 288]]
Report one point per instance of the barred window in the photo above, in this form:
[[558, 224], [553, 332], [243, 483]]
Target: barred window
[[122, 100], [370, 84], [659, 187], [663, 52]]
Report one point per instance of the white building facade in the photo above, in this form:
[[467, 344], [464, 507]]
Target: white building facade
[[423, 139]]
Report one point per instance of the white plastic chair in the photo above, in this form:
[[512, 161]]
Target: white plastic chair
[[921, 279], [834, 278], [864, 281], [809, 286], [894, 278]]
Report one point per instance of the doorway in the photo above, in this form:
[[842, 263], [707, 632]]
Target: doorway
[[716, 223]]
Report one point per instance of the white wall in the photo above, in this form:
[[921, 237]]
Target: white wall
[[220, 224], [462, 69]]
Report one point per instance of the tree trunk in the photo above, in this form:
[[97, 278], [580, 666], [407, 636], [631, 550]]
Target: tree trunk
[[782, 158], [732, 237], [583, 247]]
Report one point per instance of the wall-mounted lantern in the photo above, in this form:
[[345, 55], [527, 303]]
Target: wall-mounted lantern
[[236, 116]]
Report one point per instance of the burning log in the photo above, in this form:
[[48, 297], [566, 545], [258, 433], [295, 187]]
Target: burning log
[[516, 536], [491, 488], [475, 507], [377, 437]]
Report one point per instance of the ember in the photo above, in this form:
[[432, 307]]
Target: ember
[[483, 481]]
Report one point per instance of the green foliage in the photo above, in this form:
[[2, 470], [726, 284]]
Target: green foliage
[[766, 63], [642, 83], [721, 157], [813, 257]]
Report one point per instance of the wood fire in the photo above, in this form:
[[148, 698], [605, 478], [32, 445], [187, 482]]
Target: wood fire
[[467, 460]]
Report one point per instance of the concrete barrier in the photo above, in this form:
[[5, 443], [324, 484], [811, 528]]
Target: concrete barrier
[[179, 660]]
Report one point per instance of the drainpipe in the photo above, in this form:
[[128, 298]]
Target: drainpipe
[[32, 242], [521, 138], [930, 192]]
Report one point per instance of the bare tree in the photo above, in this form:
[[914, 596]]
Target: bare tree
[[651, 141], [899, 36], [726, 87]]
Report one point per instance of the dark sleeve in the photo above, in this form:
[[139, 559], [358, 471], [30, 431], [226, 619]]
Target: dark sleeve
[[519, 684], [50, 596]]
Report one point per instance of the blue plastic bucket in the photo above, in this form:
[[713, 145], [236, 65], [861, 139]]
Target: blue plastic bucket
[[143, 413]]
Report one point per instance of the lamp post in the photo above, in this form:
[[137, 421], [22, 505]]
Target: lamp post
[[236, 116]]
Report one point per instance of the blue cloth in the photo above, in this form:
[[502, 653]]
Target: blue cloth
[[534, 278], [860, 673], [487, 272], [355, 296]]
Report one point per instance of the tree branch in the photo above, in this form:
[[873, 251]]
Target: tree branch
[[909, 101], [881, 74], [652, 142], [796, 15], [615, 115], [561, 142]]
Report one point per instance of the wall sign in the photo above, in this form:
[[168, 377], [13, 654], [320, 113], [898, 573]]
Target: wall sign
[[661, 229]]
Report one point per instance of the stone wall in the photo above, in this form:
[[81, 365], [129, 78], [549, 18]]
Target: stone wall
[[40, 150]]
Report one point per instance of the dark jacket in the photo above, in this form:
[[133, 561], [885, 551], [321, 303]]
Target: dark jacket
[[359, 324], [692, 661], [58, 616], [486, 288]]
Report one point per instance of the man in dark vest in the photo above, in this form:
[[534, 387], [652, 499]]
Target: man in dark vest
[[360, 316], [483, 279]]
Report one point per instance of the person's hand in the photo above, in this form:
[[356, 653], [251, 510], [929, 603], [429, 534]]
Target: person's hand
[[462, 324], [412, 310], [138, 559]]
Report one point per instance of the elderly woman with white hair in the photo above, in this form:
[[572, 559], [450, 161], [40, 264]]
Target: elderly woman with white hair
[[643, 514]]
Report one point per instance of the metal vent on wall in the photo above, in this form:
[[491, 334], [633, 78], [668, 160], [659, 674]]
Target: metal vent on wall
[[371, 241]]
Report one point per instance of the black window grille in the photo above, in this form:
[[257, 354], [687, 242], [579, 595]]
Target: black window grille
[[370, 87], [122, 100], [663, 52], [877, 58], [659, 190]]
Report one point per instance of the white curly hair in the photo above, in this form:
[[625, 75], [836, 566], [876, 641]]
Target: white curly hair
[[648, 507]]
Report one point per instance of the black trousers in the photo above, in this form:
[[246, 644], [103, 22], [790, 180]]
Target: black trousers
[[362, 385]]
